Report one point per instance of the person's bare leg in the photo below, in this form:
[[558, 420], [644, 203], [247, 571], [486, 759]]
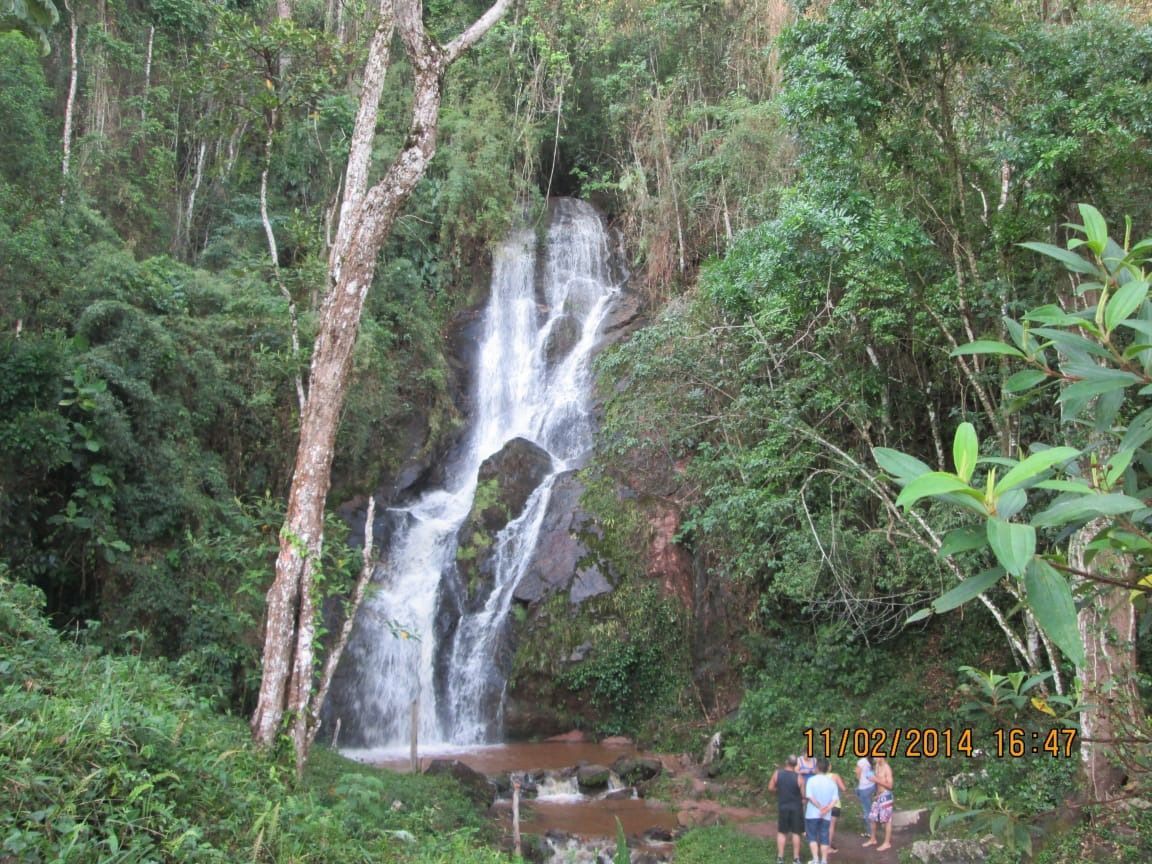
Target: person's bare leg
[[795, 847], [871, 841], [887, 837], [780, 838]]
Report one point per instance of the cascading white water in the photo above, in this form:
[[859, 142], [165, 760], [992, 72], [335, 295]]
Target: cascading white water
[[529, 384]]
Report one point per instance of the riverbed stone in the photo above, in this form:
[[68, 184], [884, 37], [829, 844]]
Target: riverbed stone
[[636, 769], [593, 776]]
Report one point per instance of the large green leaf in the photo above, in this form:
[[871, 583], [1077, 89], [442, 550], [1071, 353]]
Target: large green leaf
[[1036, 464], [963, 540], [987, 346], [1050, 599], [1124, 302], [1095, 228], [1025, 379], [901, 466], [969, 589], [1086, 507], [1014, 544], [965, 451], [1072, 344], [934, 483], [1070, 260]]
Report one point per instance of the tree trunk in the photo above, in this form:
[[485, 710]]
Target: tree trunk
[[73, 77], [366, 221], [1108, 678]]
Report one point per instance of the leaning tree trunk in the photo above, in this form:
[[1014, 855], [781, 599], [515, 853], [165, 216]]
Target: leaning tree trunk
[[366, 221], [1108, 677]]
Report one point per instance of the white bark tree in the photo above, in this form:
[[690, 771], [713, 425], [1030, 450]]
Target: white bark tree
[[367, 216]]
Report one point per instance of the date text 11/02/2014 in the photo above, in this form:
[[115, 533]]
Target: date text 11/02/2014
[[930, 743]]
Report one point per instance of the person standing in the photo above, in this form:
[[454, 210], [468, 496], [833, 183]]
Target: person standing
[[789, 788], [882, 805], [821, 795], [806, 766], [865, 790], [835, 814]]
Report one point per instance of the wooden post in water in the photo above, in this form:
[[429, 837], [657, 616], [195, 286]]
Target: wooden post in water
[[516, 816], [415, 734]]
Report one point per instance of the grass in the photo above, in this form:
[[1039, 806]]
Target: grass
[[108, 759]]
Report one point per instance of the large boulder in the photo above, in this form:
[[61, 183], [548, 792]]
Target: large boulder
[[506, 481], [953, 851], [637, 769], [558, 562]]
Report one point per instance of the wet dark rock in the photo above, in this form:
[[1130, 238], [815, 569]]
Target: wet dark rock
[[557, 562], [562, 338], [506, 481], [476, 786], [593, 776], [632, 770]]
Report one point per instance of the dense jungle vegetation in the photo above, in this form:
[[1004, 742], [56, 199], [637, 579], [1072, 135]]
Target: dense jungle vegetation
[[820, 201]]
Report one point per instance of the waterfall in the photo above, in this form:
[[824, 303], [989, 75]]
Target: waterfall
[[415, 638]]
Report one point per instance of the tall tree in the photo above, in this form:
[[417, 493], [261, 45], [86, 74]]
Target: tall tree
[[367, 217]]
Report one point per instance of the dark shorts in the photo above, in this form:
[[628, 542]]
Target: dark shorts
[[817, 830], [790, 820]]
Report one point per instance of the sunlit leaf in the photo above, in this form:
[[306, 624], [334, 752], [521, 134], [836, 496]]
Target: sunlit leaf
[[1095, 228], [933, 483], [1124, 302], [1036, 464], [965, 451]]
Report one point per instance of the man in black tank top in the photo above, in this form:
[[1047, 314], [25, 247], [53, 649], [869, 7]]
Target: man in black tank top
[[789, 788]]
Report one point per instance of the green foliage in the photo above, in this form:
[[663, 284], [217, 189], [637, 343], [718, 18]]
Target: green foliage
[[35, 17], [636, 665], [722, 843], [1093, 363], [622, 856], [985, 814], [107, 759]]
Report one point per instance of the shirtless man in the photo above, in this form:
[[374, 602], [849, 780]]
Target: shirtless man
[[882, 804]]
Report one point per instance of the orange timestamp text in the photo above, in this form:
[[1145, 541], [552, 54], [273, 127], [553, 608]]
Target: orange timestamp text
[[917, 742]]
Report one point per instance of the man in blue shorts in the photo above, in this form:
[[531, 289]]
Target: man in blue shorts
[[787, 785], [821, 794]]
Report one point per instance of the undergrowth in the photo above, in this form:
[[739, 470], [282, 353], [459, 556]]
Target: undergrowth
[[108, 759]]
